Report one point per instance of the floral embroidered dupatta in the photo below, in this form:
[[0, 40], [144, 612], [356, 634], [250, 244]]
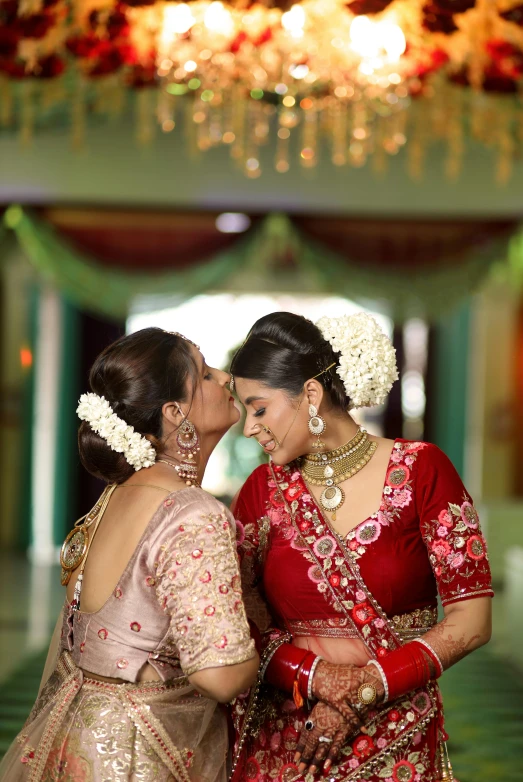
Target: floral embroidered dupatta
[[402, 737]]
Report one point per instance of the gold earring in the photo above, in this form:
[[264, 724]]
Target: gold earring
[[317, 426]]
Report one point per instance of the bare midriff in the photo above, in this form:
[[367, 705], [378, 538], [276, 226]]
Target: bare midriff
[[147, 674], [343, 651]]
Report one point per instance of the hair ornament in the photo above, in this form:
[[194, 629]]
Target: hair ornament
[[120, 437], [367, 363]]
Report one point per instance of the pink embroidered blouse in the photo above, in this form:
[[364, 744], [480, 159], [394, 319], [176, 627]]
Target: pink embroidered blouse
[[178, 604]]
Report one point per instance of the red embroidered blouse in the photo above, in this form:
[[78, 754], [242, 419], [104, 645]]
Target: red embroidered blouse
[[425, 539]]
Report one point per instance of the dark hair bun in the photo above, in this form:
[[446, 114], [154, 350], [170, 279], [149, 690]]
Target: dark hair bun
[[137, 375], [284, 350]]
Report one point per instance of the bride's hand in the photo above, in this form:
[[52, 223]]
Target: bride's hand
[[325, 739], [342, 686]]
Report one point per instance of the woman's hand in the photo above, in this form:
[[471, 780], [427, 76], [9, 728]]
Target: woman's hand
[[329, 724], [339, 686]]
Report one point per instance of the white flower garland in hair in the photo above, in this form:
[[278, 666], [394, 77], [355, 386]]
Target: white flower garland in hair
[[367, 363], [120, 437]]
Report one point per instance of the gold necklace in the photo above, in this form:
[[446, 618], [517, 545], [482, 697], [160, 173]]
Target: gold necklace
[[333, 467], [187, 472]]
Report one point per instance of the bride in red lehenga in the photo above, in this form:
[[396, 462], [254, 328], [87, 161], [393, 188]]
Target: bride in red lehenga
[[346, 542]]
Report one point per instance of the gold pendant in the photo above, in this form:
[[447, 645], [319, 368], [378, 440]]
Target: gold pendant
[[73, 552], [332, 498]]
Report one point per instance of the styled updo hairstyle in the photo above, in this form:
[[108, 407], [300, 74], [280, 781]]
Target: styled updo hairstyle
[[137, 375], [283, 351]]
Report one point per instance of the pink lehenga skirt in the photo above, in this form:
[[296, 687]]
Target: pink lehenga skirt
[[84, 730]]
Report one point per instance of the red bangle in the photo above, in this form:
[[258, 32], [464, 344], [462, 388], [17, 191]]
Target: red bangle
[[284, 666], [304, 673], [301, 683], [406, 669], [432, 654]]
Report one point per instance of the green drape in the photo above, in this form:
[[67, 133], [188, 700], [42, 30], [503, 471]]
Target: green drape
[[98, 288], [274, 255]]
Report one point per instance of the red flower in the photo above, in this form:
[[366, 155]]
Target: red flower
[[50, 67], [9, 12], [138, 3], [288, 772], [403, 771], [363, 613], [36, 25], [454, 6], [368, 7], [238, 42], [476, 547], [276, 497], [382, 652], [116, 24], [290, 737], [394, 716], [445, 518], [252, 770], [397, 476], [143, 76], [437, 22], [335, 580], [84, 45], [294, 491], [363, 746], [109, 62], [265, 37], [8, 42], [15, 70], [440, 548]]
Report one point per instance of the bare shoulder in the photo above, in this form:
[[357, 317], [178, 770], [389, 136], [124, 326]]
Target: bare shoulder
[[385, 445]]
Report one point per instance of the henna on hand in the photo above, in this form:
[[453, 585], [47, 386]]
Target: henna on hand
[[448, 646], [338, 686], [329, 724]]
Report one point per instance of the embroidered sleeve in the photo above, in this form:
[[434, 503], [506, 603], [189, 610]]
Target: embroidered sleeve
[[451, 531], [198, 585]]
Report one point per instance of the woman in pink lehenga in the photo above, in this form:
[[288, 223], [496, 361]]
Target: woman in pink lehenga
[[153, 635], [346, 540]]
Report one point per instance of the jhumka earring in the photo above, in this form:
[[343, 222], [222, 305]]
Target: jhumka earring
[[189, 445], [317, 426]]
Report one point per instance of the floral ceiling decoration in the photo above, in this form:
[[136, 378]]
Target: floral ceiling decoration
[[356, 80]]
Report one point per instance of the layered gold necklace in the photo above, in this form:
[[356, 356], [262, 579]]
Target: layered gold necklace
[[333, 467]]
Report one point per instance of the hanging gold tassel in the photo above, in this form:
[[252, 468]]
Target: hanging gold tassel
[[445, 769]]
